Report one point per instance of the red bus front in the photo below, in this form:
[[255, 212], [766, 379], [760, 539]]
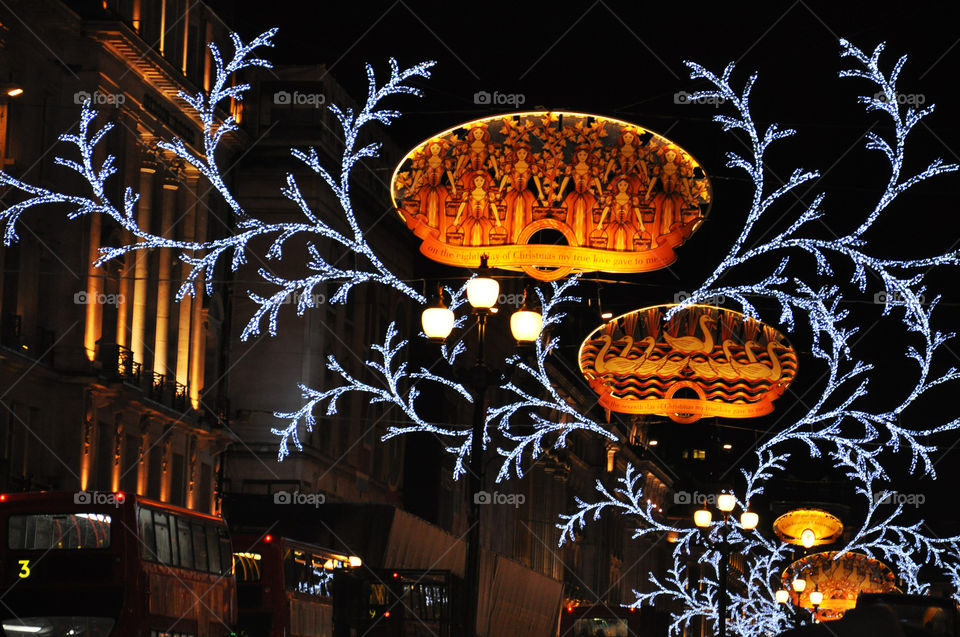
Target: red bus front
[[284, 587], [105, 564]]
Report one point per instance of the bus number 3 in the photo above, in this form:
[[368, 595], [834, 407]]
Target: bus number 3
[[24, 569]]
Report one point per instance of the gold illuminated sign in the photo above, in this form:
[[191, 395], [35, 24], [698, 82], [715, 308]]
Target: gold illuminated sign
[[551, 193], [840, 578], [704, 361]]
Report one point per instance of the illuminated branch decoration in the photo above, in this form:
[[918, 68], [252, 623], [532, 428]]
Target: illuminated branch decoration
[[751, 611], [400, 387], [529, 405], [841, 423], [201, 258], [836, 422]]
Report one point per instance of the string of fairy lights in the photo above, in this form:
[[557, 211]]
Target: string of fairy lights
[[842, 424]]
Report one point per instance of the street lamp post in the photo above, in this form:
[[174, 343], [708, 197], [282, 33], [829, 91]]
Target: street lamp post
[[799, 585], [726, 502], [525, 325], [816, 598]]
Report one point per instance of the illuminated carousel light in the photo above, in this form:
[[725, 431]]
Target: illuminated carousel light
[[838, 581], [808, 527]]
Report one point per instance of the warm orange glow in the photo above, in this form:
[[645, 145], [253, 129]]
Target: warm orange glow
[[140, 273], [186, 39], [702, 518], [197, 351], [184, 323], [691, 368], [726, 502], [135, 15], [15, 91], [808, 527], [629, 241], [183, 341], [163, 25], [164, 273], [749, 520], [94, 311], [437, 322], [840, 579]]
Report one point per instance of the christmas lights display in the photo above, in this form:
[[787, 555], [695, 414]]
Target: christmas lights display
[[841, 424], [530, 414]]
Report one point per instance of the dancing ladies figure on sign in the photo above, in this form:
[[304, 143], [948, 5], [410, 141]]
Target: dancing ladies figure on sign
[[626, 160], [581, 201], [623, 210], [476, 155], [478, 205], [429, 171], [519, 201], [673, 175]]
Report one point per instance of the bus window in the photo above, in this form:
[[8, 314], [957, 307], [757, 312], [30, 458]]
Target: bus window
[[305, 573], [148, 543], [185, 541], [162, 532], [59, 531], [247, 566], [200, 547], [213, 548]]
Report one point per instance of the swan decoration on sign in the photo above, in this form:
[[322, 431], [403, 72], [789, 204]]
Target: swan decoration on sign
[[551, 193], [703, 361]]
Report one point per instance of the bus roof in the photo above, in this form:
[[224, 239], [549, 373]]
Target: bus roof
[[251, 539], [68, 499]]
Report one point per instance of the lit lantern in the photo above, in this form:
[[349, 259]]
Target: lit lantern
[[483, 290], [438, 319]]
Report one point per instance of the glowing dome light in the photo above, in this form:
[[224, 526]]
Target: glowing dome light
[[808, 527]]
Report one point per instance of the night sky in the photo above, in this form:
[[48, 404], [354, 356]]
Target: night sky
[[625, 60]]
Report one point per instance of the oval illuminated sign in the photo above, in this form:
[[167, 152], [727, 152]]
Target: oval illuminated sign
[[550, 193], [704, 361]]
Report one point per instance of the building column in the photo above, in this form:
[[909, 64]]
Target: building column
[[198, 335], [192, 463], [143, 465], [165, 466], [118, 430], [141, 270], [184, 332], [94, 311], [168, 205]]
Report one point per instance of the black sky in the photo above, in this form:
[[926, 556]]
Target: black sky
[[625, 59]]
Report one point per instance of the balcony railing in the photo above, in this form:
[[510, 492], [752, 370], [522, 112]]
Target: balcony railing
[[117, 363]]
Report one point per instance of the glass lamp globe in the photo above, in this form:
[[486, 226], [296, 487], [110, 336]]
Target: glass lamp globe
[[816, 598], [749, 520], [799, 584], [437, 322], [526, 324], [483, 290], [726, 502], [702, 518], [783, 596], [808, 538]]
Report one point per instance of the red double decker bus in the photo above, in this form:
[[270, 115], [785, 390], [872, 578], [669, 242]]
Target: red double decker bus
[[108, 565], [285, 587]]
